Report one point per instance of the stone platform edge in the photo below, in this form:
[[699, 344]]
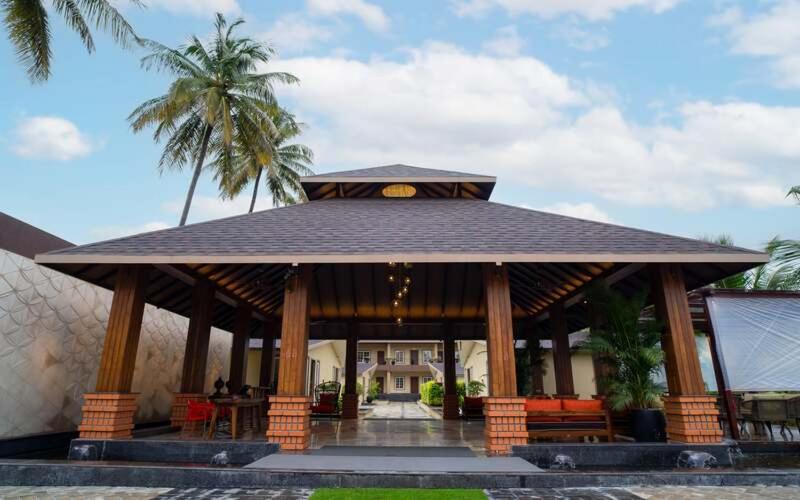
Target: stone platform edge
[[44, 473]]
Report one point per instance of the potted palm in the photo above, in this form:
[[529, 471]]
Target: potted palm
[[630, 344]]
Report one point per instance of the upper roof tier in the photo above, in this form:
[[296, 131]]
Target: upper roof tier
[[398, 181]]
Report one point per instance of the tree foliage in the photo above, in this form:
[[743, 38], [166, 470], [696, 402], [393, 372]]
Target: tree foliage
[[630, 344], [28, 25]]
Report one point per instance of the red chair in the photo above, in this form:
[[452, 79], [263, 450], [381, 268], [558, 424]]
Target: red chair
[[197, 412]]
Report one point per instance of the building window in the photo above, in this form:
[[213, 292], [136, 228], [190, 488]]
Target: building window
[[335, 373], [457, 356], [425, 380], [399, 357], [469, 374], [399, 383], [362, 356], [427, 356]]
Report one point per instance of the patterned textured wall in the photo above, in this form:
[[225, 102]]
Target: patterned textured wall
[[51, 335]]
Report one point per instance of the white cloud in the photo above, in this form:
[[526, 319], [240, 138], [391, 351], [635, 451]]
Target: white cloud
[[442, 107], [50, 138], [118, 231], [294, 33], [580, 38], [587, 211], [506, 42], [201, 8], [773, 35], [371, 15], [211, 207], [593, 10]]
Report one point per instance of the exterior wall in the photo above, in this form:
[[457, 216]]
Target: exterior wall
[[52, 328], [325, 353], [476, 366], [582, 374]]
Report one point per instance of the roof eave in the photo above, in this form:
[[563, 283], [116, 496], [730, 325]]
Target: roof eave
[[421, 258]]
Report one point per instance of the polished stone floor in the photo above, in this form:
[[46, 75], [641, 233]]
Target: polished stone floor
[[403, 410], [398, 433], [632, 493]]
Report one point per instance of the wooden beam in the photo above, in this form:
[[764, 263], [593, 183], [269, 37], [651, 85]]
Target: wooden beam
[[240, 347], [294, 333], [196, 352], [122, 333], [682, 365], [562, 360], [499, 331]]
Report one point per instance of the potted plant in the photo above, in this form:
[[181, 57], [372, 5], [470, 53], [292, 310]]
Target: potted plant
[[630, 344]]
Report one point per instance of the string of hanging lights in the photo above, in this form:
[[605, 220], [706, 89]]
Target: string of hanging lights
[[400, 284]]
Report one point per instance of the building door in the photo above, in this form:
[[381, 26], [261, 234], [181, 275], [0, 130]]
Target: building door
[[381, 358], [414, 357], [414, 385], [379, 380]]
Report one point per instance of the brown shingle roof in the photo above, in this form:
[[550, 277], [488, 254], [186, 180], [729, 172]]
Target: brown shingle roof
[[395, 171], [415, 230]]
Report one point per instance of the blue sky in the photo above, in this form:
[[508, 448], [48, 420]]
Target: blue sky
[[676, 116]]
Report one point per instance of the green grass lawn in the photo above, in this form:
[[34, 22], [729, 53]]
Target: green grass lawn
[[395, 494]]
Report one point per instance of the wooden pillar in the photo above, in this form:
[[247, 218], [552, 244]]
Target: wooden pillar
[[267, 353], [290, 409], [562, 359], [196, 353], [108, 412], [240, 347], [692, 416], [505, 412], [536, 363], [450, 400], [350, 396], [602, 371]]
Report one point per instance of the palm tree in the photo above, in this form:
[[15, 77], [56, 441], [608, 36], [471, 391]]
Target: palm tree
[[794, 191], [782, 272], [28, 26], [282, 173], [217, 98]]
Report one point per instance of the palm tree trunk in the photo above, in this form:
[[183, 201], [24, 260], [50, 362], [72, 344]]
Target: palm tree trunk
[[197, 169], [255, 190]]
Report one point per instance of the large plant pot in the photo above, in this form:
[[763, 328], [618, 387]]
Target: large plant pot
[[648, 426]]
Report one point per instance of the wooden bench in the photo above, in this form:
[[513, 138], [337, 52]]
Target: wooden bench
[[569, 423]]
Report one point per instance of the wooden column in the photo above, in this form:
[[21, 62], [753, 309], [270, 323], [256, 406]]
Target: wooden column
[[450, 400], [505, 412], [562, 359], [270, 331], [108, 412], [290, 409], [692, 416], [535, 361], [602, 371], [240, 347], [196, 353], [350, 396]]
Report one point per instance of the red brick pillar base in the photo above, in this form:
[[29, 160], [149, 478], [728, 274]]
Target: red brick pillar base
[[290, 422], [692, 419], [505, 424], [450, 407], [108, 415], [179, 401], [350, 406]]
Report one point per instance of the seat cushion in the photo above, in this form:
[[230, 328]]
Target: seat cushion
[[553, 405], [583, 405]]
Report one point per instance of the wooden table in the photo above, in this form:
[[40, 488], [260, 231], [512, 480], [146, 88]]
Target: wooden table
[[254, 406]]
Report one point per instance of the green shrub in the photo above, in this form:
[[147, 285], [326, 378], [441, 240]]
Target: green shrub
[[461, 391], [374, 390], [475, 388], [431, 393]]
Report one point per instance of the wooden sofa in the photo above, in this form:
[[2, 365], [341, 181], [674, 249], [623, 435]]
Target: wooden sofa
[[568, 419]]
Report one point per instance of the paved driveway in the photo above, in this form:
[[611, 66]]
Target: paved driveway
[[399, 410]]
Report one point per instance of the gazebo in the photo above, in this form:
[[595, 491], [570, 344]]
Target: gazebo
[[393, 252]]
